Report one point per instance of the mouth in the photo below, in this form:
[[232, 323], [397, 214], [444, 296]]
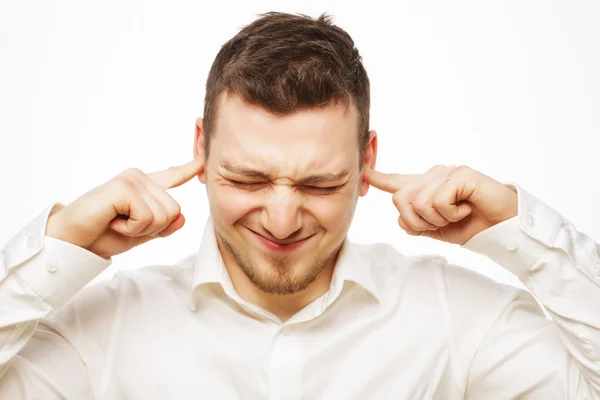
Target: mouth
[[280, 246]]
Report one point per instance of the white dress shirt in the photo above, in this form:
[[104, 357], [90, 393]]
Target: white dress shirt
[[390, 326]]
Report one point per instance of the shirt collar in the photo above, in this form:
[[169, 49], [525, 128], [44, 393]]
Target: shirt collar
[[209, 267], [353, 266]]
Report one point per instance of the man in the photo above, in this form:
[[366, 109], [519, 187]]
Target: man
[[277, 303]]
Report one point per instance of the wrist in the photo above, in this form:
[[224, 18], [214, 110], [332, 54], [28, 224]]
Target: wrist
[[54, 222]]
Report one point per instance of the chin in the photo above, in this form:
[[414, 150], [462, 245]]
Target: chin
[[284, 274]]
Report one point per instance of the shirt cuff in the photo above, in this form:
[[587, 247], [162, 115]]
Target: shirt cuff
[[517, 244], [54, 269]]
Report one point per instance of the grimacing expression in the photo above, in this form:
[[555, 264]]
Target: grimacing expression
[[283, 189]]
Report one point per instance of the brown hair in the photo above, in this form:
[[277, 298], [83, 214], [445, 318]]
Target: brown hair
[[286, 63]]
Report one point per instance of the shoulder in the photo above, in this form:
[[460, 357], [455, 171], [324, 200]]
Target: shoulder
[[389, 264], [401, 277], [99, 301], [156, 277], [470, 295], [457, 287]]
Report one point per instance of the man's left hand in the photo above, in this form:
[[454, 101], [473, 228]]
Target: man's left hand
[[451, 204]]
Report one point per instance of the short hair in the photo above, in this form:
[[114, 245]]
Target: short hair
[[287, 63]]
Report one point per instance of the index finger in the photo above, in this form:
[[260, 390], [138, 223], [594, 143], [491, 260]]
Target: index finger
[[178, 175], [390, 183]]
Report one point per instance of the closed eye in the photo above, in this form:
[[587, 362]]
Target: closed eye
[[321, 190], [245, 185], [306, 188]]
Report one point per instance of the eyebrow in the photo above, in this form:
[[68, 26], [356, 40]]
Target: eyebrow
[[309, 180], [245, 171]]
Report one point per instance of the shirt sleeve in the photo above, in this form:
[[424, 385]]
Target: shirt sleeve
[[560, 266], [39, 274]]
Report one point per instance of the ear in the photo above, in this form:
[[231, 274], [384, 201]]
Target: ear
[[369, 161], [199, 149]]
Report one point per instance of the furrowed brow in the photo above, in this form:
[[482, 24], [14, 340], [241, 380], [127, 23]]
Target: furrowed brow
[[323, 178], [245, 171], [310, 180]]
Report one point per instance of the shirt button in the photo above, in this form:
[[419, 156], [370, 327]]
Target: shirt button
[[52, 266], [511, 245], [32, 241], [530, 221]]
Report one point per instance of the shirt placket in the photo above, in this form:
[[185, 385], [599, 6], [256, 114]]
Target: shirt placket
[[285, 366]]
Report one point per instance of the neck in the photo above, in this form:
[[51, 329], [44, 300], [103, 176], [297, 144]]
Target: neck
[[283, 306]]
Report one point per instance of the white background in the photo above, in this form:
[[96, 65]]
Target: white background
[[512, 88]]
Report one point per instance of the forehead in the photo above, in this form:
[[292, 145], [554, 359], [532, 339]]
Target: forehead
[[319, 138]]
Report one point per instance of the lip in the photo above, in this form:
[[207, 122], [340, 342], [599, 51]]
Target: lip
[[277, 247]]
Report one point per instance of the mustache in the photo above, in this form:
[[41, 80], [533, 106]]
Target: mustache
[[304, 232]]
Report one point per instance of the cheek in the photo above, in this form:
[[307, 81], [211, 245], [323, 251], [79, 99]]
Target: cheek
[[229, 204], [332, 212]]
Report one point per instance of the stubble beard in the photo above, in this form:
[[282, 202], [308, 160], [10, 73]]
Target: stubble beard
[[279, 278]]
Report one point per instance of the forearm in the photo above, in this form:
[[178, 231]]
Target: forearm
[[561, 268], [38, 275], [566, 280]]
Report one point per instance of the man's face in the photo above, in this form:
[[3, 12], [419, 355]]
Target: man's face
[[282, 190]]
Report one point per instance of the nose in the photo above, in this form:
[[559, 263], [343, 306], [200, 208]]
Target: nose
[[282, 216]]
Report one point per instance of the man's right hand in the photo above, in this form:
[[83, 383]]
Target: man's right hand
[[130, 209]]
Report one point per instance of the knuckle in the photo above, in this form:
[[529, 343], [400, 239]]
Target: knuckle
[[437, 202], [421, 207], [421, 204], [143, 222], [145, 215], [174, 209], [161, 218], [402, 199], [132, 174], [438, 205], [124, 183], [407, 200], [397, 197], [402, 223], [405, 196], [461, 169], [134, 171], [422, 225], [437, 168]]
